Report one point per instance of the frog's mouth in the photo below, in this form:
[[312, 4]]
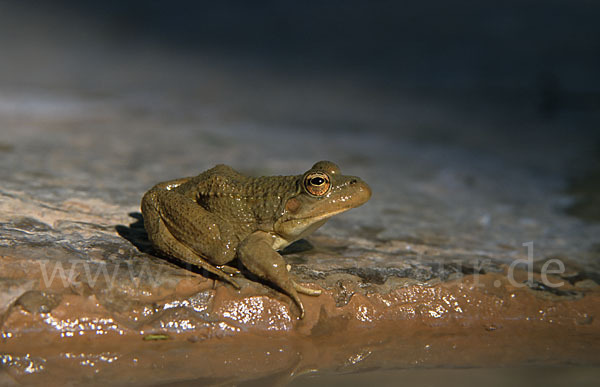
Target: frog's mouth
[[335, 204], [294, 228], [322, 217], [305, 216]]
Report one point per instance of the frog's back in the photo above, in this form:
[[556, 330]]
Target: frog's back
[[241, 199]]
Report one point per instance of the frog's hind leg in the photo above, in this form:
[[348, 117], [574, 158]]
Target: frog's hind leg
[[164, 241], [172, 247]]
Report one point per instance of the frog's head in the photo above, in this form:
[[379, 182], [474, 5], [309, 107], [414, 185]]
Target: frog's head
[[321, 193]]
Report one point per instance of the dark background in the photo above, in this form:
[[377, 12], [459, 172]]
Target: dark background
[[520, 47], [519, 79]]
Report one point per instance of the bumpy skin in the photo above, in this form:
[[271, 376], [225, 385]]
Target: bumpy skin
[[220, 215]]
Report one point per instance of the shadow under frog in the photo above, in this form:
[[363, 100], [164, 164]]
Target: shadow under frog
[[220, 216]]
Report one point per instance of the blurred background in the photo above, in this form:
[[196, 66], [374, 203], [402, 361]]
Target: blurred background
[[431, 70], [524, 48]]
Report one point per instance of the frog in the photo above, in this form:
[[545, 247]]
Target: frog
[[221, 215]]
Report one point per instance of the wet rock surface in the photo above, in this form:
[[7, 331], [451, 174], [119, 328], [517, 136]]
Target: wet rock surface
[[468, 255]]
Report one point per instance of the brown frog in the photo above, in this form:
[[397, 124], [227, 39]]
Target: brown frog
[[220, 215]]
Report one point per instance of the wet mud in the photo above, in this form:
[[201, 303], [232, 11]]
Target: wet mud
[[209, 333]]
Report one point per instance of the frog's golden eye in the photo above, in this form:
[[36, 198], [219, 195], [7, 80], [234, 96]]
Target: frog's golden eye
[[317, 183]]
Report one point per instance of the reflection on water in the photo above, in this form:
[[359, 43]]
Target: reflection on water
[[489, 377]]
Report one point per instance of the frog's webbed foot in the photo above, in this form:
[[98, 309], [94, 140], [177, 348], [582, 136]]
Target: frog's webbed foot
[[258, 256], [304, 290]]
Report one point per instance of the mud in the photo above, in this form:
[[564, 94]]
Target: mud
[[231, 337]]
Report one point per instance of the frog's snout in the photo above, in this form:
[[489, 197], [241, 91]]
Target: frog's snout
[[362, 190]]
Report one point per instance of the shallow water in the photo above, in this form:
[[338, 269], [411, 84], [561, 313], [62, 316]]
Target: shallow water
[[517, 376]]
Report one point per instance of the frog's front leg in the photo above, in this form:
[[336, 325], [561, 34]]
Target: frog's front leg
[[257, 255]]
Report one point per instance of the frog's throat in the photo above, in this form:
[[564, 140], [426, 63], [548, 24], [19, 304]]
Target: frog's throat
[[292, 229], [284, 237]]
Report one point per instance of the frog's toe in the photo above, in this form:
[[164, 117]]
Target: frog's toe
[[229, 270], [289, 287], [300, 306], [304, 290]]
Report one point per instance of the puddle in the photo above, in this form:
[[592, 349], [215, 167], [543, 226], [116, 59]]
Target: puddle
[[489, 377], [414, 355]]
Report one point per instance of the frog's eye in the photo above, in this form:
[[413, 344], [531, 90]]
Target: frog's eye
[[317, 183]]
